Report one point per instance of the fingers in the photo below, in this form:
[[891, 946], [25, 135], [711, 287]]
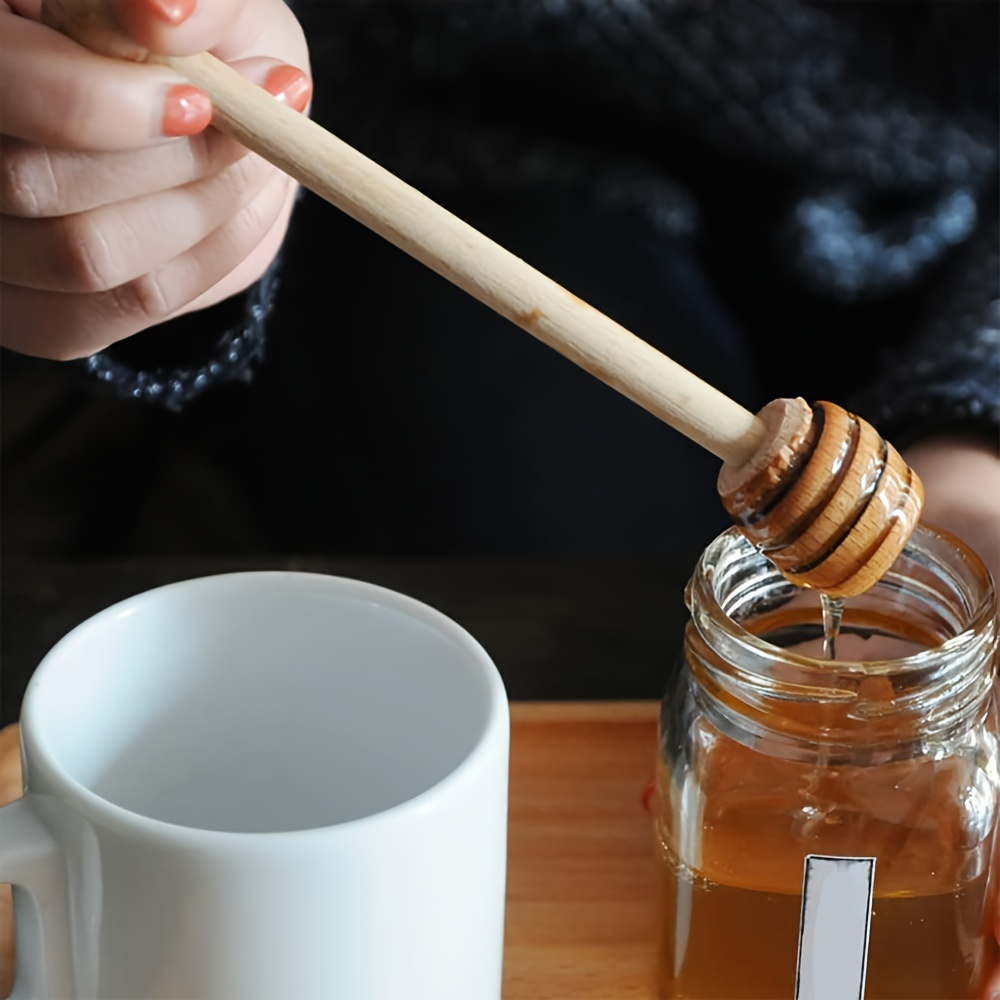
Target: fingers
[[57, 93], [63, 326], [108, 227], [54, 92], [231, 29], [183, 27], [101, 249], [42, 182], [253, 266]]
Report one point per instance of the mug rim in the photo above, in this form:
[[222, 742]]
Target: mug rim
[[109, 813]]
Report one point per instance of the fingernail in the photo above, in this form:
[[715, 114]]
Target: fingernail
[[290, 86], [186, 111], [172, 11]]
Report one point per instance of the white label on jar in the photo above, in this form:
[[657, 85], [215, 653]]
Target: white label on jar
[[833, 935]]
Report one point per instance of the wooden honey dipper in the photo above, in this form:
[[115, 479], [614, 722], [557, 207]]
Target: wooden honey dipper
[[816, 488]]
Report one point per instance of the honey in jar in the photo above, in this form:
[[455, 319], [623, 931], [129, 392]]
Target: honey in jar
[[769, 754]]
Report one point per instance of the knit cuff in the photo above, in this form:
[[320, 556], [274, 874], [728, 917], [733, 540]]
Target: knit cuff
[[233, 357]]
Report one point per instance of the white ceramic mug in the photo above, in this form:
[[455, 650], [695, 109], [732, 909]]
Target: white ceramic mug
[[263, 785]]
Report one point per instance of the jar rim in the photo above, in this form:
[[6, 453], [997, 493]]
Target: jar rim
[[702, 597]]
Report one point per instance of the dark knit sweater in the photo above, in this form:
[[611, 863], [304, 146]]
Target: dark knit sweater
[[882, 133], [789, 198]]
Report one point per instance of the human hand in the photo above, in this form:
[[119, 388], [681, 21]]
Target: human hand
[[120, 207], [961, 476]]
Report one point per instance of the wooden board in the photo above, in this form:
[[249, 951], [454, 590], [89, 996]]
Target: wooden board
[[580, 882], [580, 874], [10, 789]]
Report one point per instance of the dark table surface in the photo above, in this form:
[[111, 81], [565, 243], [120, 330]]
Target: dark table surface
[[557, 628]]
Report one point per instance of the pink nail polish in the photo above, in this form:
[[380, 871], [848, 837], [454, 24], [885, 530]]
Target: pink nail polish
[[289, 85], [172, 11], [186, 111]]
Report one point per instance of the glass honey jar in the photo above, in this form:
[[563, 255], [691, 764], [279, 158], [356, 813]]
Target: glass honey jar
[[770, 753]]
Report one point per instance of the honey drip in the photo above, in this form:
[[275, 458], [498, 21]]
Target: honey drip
[[833, 615]]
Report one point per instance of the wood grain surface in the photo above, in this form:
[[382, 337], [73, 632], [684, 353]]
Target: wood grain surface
[[10, 789], [580, 884], [580, 876]]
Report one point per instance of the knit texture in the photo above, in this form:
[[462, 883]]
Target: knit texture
[[880, 119]]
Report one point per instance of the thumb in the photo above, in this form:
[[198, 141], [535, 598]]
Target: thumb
[[227, 28]]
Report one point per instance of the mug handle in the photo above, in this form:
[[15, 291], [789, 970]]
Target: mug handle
[[31, 860]]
